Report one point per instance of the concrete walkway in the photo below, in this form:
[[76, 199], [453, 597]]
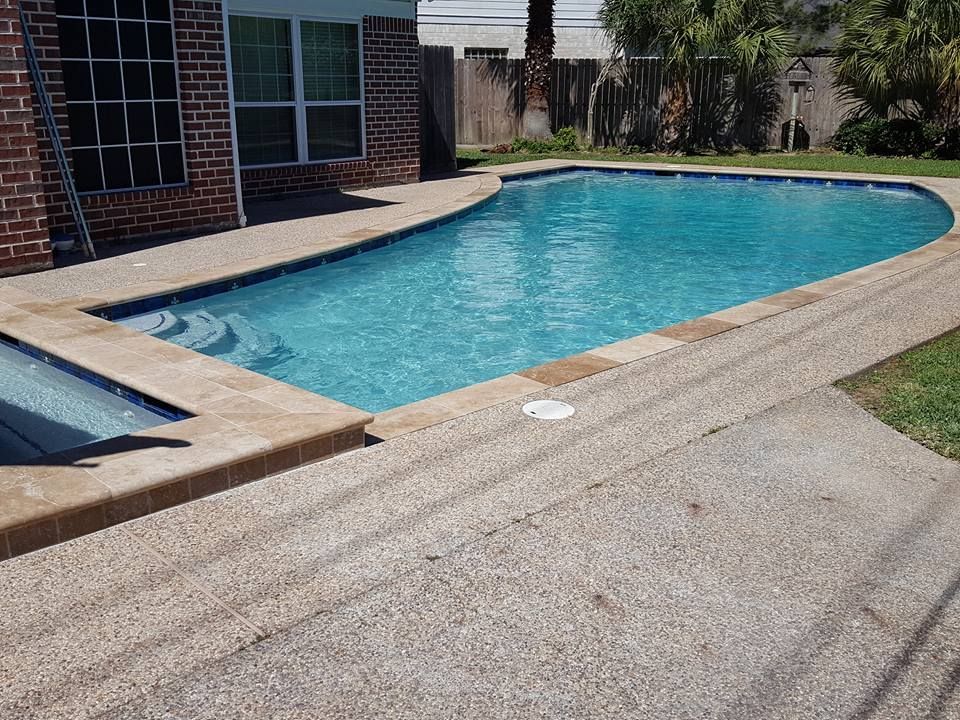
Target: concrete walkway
[[273, 226], [713, 534], [782, 568]]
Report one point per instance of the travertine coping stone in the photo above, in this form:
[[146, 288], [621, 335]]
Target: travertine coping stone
[[245, 426]]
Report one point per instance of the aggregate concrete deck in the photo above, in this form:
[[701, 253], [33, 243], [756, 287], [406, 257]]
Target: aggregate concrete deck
[[774, 570], [711, 535], [273, 226]]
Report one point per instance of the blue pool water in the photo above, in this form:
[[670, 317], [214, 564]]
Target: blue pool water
[[554, 266], [45, 410]]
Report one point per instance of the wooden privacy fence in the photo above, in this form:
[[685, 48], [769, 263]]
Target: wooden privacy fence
[[438, 151], [488, 102]]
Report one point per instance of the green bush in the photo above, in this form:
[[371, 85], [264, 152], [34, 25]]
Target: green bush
[[534, 147], [948, 148], [564, 140], [896, 138]]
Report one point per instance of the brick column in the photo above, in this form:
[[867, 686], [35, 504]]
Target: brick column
[[391, 70], [24, 239]]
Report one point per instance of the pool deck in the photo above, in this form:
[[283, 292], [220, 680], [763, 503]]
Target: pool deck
[[247, 426], [715, 533]]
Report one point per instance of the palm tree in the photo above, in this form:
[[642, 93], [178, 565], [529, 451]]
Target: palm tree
[[748, 33], [538, 55], [901, 56]]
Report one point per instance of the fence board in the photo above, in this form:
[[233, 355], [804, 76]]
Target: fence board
[[438, 133], [489, 103]]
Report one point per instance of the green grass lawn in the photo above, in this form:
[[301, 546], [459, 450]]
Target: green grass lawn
[[918, 393], [815, 161]]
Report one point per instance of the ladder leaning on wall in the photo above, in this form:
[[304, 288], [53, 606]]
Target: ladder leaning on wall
[[49, 120]]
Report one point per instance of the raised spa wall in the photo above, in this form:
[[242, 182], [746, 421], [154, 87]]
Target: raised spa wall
[[244, 427]]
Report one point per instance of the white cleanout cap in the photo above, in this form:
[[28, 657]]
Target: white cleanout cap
[[548, 409]]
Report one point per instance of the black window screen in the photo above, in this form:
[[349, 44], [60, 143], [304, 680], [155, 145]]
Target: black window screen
[[120, 79]]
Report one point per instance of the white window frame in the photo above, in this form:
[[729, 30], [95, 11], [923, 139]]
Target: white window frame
[[299, 103], [128, 145]]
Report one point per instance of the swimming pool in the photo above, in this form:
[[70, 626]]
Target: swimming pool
[[555, 265], [44, 410]]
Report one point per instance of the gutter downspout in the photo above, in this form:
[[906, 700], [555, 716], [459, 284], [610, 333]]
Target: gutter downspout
[[241, 216]]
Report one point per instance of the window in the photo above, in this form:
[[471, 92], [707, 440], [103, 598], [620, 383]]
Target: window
[[120, 79], [261, 52], [481, 53], [296, 112]]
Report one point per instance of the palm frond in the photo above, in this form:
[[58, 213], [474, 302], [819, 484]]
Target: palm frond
[[900, 56]]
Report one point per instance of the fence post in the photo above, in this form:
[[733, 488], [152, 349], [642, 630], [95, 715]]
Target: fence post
[[438, 138]]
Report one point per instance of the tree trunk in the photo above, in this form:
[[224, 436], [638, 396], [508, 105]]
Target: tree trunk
[[674, 134], [611, 67], [539, 55]]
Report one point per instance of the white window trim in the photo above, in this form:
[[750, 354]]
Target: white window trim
[[299, 104]]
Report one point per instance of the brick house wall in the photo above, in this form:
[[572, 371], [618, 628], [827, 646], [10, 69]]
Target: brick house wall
[[24, 241], [391, 98], [208, 201]]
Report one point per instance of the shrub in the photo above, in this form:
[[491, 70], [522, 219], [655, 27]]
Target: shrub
[[948, 147], [526, 145], [564, 140], [900, 137]]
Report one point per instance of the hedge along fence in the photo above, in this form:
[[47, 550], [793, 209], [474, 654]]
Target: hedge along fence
[[488, 103]]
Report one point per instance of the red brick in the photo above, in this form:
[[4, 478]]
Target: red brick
[[391, 94], [121, 215], [23, 232]]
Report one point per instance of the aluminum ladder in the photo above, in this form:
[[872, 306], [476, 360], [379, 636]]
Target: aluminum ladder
[[46, 108]]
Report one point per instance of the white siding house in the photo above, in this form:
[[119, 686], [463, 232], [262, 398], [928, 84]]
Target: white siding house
[[496, 28]]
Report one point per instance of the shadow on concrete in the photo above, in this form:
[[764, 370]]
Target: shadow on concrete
[[262, 212], [872, 704], [78, 456], [465, 171], [259, 212], [120, 247]]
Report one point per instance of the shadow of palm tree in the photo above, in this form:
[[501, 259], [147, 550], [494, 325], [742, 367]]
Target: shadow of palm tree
[[507, 75]]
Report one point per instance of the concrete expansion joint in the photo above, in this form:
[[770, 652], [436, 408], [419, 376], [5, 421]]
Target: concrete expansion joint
[[195, 583]]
